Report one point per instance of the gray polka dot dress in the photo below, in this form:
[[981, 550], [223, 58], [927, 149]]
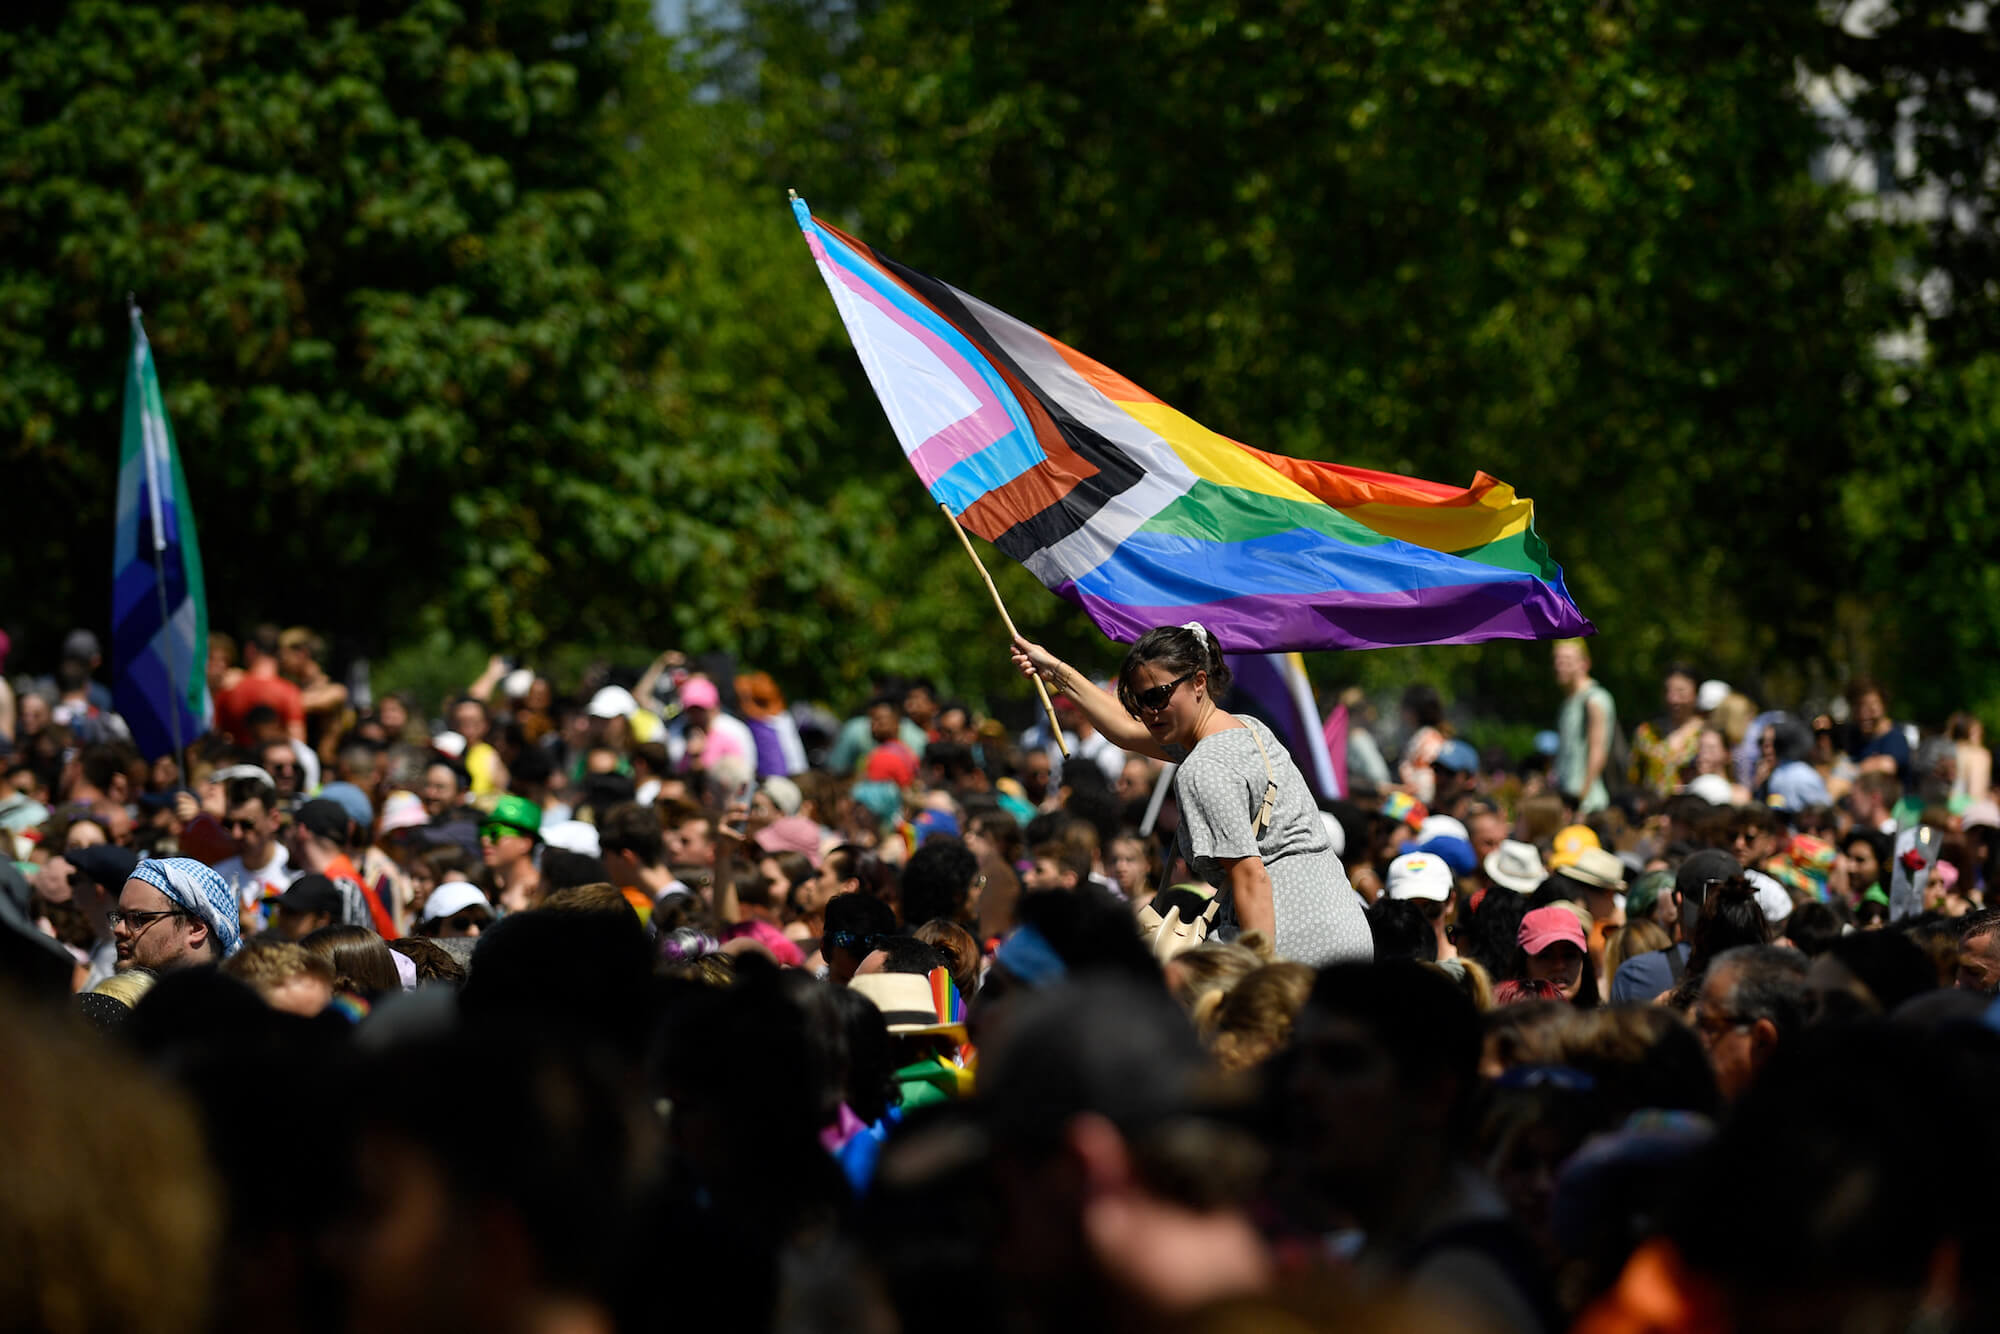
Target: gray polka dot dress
[[1221, 787]]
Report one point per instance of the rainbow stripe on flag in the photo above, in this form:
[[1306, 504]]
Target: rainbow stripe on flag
[[1144, 517]]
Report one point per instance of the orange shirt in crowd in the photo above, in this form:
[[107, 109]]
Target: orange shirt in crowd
[[233, 705]]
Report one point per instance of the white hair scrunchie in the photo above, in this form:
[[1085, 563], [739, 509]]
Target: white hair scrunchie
[[1200, 631]]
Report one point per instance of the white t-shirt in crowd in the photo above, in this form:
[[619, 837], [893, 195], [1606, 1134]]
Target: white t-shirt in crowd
[[275, 876]]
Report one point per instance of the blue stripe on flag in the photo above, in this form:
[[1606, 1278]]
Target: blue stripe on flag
[[1152, 569]]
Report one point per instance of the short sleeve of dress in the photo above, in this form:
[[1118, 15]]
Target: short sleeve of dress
[[1215, 813]]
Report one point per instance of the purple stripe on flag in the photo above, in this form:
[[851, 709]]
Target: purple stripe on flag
[[1461, 614]]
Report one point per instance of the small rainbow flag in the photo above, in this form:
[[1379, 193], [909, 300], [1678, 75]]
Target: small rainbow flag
[[944, 996], [1144, 517]]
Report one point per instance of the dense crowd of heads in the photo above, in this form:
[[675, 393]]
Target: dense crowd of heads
[[659, 1000]]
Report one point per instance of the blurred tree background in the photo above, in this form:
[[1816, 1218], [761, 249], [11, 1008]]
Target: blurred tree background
[[486, 323]]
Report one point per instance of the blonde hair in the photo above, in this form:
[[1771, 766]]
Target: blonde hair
[[711, 970], [1079, 841], [127, 987], [301, 637], [268, 964], [1541, 817], [601, 897], [1216, 966], [1620, 1035], [1246, 1024], [1641, 935], [1470, 977], [1526, 1034], [1732, 717]]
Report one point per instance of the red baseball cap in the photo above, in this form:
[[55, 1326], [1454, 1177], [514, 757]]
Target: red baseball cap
[[1549, 926], [892, 762]]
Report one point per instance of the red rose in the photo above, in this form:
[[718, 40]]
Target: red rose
[[1913, 861]]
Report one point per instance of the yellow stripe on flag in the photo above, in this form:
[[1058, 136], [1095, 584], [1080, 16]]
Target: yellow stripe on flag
[[1498, 515], [1212, 457]]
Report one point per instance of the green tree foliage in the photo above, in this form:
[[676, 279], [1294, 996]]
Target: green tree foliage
[[1919, 80], [1924, 512], [377, 258], [487, 321], [1577, 246], [476, 323], [803, 543]]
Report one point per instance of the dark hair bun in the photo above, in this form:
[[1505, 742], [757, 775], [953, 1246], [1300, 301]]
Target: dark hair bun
[[1178, 650]]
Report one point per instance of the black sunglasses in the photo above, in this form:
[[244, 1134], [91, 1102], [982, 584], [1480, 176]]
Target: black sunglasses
[[466, 921], [852, 942], [139, 921], [1155, 699]]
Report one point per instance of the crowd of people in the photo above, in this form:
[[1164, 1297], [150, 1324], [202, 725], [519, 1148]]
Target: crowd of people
[[655, 998]]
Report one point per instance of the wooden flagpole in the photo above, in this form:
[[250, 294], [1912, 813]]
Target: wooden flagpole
[[1041, 688]]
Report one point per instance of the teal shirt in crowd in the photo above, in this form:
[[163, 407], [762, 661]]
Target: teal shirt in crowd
[[1573, 746]]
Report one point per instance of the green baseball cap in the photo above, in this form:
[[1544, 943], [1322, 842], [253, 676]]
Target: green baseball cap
[[519, 812], [1646, 892]]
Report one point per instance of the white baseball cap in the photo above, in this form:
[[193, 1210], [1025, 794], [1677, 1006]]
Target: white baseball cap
[[1441, 826], [613, 702], [1336, 832], [1711, 788], [573, 836], [235, 771], [784, 794], [1773, 899], [453, 897], [1419, 875]]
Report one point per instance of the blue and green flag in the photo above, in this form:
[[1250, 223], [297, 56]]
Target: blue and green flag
[[159, 606]]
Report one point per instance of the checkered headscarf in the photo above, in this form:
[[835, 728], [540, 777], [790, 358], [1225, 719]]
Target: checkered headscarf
[[196, 889]]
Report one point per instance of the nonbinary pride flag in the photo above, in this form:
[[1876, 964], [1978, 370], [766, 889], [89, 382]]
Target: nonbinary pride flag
[[1144, 517], [159, 647]]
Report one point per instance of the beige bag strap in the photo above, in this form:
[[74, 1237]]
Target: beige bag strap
[[1269, 811]]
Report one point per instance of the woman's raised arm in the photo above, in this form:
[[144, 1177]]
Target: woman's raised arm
[[1106, 714]]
